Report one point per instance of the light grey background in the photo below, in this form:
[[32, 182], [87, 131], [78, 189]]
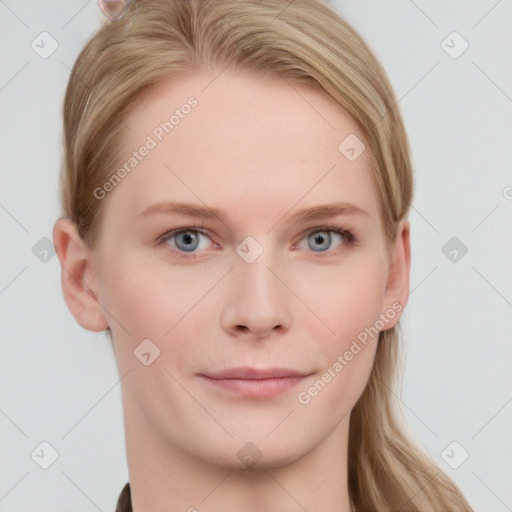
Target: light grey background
[[59, 382]]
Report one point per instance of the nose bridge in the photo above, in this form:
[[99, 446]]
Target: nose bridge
[[257, 282], [253, 269], [257, 301]]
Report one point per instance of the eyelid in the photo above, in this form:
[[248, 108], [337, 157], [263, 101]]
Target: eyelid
[[329, 227], [346, 233], [173, 232]]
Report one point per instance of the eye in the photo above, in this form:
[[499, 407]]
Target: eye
[[321, 239], [185, 240]]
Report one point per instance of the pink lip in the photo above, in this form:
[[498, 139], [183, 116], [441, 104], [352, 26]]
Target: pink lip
[[254, 382]]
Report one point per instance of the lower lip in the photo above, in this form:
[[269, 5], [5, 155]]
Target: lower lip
[[256, 387]]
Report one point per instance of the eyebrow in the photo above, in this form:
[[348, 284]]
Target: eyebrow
[[315, 213]]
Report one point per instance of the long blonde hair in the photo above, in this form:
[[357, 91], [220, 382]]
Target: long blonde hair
[[304, 41]]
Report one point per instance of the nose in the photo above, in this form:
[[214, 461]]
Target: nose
[[257, 303]]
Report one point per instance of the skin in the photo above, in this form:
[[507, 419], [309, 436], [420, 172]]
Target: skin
[[261, 150]]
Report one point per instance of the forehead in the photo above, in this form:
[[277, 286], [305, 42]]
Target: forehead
[[248, 140]]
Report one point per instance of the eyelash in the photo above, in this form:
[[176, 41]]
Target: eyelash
[[349, 239]]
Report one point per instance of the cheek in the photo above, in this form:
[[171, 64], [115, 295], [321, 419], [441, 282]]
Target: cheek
[[347, 298], [135, 301], [146, 299], [349, 302], [136, 293]]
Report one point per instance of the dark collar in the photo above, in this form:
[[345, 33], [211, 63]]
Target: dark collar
[[124, 503]]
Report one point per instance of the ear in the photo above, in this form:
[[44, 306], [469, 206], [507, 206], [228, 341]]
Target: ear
[[396, 292], [78, 277]]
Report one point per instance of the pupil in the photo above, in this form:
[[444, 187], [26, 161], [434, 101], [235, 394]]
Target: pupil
[[322, 240], [187, 241]]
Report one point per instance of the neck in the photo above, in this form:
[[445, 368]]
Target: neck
[[164, 477]]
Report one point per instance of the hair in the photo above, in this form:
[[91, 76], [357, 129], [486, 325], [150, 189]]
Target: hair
[[307, 42]]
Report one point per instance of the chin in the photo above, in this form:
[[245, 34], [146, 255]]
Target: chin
[[254, 452]]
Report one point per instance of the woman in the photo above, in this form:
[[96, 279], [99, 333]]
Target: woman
[[209, 147]]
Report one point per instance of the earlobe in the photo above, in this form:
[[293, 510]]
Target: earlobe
[[397, 286], [78, 276]]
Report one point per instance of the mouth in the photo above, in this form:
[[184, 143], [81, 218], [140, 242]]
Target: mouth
[[254, 382]]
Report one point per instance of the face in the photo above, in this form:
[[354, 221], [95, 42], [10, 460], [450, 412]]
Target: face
[[243, 322]]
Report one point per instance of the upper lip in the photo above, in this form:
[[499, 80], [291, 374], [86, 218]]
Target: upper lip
[[254, 373]]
